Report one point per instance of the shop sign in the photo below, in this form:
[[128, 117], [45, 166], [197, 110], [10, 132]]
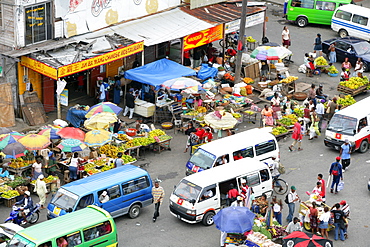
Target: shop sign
[[203, 37], [39, 67], [100, 60], [64, 97], [251, 20]]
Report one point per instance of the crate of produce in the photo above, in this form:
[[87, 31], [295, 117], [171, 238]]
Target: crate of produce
[[350, 91], [9, 202]]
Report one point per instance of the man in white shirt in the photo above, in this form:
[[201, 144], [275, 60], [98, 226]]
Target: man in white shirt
[[293, 226], [101, 92], [103, 198], [320, 111], [274, 168], [238, 202], [292, 199]]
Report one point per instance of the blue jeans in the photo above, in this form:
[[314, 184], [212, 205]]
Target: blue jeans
[[277, 182], [337, 228], [73, 172], [333, 57], [255, 209], [278, 216], [291, 207], [335, 182]]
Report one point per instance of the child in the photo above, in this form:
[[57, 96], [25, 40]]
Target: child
[[344, 76]]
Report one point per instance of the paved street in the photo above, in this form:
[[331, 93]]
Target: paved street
[[302, 167]]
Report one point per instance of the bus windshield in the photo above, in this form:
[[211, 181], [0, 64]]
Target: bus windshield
[[64, 199], [202, 159], [343, 124], [19, 241], [187, 191]]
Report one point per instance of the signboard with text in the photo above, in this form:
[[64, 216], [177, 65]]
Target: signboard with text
[[251, 20], [39, 67], [203, 37]]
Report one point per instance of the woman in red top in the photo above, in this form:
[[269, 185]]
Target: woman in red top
[[207, 136], [297, 135], [313, 217], [307, 117]]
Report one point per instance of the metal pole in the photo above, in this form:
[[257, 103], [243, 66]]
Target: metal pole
[[264, 24], [223, 47], [59, 113], [238, 65]]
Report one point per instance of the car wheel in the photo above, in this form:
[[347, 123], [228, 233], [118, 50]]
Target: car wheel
[[364, 146], [208, 219], [302, 21], [343, 33], [134, 211], [365, 67]]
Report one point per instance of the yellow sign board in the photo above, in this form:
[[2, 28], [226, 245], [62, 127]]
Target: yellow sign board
[[39, 67], [100, 60], [203, 37]]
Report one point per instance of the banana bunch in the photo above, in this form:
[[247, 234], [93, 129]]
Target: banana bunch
[[10, 194], [289, 79], [4, 188], [201, 109], [320, 61], [128, 159], [237, 115], [191, 113], [346, 101], [251, 39], [107, 167], [250, 112], [123, 137], [156, 132], [279, 130], [91, 171], [298, 111], [355, 82], [109, 150]]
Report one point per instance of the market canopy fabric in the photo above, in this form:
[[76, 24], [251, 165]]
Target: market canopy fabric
[[157, 72]]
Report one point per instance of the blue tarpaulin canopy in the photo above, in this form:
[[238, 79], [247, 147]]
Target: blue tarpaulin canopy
[[157, 72]]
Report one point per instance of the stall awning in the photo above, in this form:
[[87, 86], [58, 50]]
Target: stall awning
[[157, 72]]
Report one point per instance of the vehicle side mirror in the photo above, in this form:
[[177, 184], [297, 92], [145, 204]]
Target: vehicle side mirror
[[69, 210], [354, 132], [192, 201]]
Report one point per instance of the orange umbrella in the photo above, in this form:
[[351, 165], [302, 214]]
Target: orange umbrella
[[34, 141], [71, 132]]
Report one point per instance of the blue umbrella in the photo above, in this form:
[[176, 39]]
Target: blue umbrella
[[234, 219]]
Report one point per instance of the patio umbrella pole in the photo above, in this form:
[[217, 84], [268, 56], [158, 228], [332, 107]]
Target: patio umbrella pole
[[238, 65]]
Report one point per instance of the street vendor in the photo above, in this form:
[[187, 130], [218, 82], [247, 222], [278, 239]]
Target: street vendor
[[37, 168], [52, 166], [4, 173], [313, 214], [293, 226]]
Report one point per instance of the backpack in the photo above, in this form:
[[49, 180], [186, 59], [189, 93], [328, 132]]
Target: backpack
[[286, 200], [281, 168], [335, 171]]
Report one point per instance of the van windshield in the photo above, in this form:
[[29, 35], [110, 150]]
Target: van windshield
[[343, 124], [19, 241], [187, 191], [64, 199], [203, 159]]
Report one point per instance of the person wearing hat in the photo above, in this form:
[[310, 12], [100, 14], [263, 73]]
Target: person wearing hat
[[318, 45], [40, 189], [130, 103], [26, 205], [4, 173], [238, 202], [297, 135], [103, 198], [346, 210], [158, 195], [345, 154], [292, 199], [336, 171]]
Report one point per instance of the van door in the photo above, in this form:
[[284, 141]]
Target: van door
[[363, 132], [111, 200], [266, 150], [85, 201], [135, 190], [259, 181], [209, 200]]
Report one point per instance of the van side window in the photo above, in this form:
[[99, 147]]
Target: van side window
[[362, 123], [344, 15], [360, 19], [112, 192], [252, 180], [308, 4], [323, 5], [74, 239], [224, 159], [265, 147], [135, 185], [208, 192], [85, 201], [47, 244], [97, 231], [244, 153], [264, 175]]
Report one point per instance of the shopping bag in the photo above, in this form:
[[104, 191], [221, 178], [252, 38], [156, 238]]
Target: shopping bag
[[340, 186]]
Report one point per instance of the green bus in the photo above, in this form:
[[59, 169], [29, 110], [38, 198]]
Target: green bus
[[312, 11], [91, 226]]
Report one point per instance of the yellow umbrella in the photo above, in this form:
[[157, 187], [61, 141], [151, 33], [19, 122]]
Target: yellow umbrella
[[100, 120], [34, 141], [97, 138]]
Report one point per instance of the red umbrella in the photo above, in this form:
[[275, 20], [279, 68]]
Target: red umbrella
[[71, 132], [301, 239]]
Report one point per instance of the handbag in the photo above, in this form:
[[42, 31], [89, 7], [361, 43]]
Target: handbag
[[328, 109], [340, 186]]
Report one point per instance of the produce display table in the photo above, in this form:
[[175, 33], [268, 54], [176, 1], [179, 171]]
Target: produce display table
[[19, 171], [351, 92], [161, 146]]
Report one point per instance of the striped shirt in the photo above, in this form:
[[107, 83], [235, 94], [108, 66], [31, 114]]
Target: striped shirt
[[158, 194]]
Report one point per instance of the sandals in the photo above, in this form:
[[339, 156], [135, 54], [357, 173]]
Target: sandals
[[300, 149]]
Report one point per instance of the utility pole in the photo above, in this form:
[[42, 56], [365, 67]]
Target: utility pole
[[238, 64]]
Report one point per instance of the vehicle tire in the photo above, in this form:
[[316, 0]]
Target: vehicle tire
[[302, 21], [208, 219], [32, 219], [365, 66], [134, 211], [307, 226], [364, 146], [283, 186], [343, 33]]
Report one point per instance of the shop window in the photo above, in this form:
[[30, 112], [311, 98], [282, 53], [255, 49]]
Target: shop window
[[343, 15], [97, 231], [38, 23], [162, 50], [360, 20]]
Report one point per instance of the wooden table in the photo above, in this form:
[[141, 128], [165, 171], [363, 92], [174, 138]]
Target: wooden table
[[19, 171]]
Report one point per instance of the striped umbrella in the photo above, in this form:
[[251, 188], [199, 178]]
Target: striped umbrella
[[50, 133], [71, 145], [180, 83], [6, 139], [97, 138], [34, 141], [104, 107], [14, 150], [71, 133], [100, 120]]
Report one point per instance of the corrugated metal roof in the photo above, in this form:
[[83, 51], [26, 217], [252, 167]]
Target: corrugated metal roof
[[220, 13]]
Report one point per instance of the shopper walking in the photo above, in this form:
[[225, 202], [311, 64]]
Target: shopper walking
[[336, 172], [130, 103], [40, 189], [318, 45], [292, 198], [332, 105], [345, 153], [339, 221], [297, 135], [286, 37], [158, 195], [320, 111]]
